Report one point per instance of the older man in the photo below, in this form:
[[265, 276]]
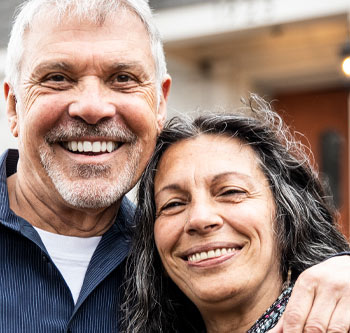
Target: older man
[[86, 89], [86, 92]]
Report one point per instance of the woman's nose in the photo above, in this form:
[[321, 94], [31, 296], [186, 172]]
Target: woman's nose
[[203, 219], [92, 104]]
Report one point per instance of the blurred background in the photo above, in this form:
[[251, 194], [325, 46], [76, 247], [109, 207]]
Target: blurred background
[[289, 51]]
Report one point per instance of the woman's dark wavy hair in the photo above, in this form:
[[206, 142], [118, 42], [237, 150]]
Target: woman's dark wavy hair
[[305, 223]]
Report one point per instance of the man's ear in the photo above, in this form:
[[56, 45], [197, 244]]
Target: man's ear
[[11, 109], [162, 109]]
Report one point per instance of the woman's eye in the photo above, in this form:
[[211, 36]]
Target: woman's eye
[[233, 193], [171, 207]]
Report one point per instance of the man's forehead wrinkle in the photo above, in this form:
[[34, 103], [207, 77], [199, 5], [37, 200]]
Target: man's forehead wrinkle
[[85, 20], [61, 16], [126, 65]]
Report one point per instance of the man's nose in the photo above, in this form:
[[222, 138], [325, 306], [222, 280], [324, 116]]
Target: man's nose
[[92, 103], [203, 218]]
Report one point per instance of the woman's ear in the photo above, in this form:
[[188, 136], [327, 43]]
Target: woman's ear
[[11, 109]]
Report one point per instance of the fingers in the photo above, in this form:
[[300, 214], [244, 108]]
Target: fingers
[[321, 313], [299, 304], [340, 321], [320, 301], [331, 307]]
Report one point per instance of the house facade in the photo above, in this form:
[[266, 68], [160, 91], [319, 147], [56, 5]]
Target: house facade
[[286, 50]]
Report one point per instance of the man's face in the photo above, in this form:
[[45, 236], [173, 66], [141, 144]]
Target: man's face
[[87, 114]]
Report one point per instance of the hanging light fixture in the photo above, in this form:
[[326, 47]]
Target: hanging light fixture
[[345, 51], [346, 59]]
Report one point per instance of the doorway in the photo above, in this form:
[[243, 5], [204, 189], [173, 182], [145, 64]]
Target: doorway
[[322, 116]]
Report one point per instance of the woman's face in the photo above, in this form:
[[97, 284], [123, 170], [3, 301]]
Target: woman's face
[[214, 225]]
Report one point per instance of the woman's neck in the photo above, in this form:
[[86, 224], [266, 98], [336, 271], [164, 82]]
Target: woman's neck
[[241, 316]]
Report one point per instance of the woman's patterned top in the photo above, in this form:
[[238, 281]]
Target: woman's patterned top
[[270, 318]]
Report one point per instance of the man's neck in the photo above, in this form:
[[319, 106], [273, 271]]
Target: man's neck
[[58, 217]]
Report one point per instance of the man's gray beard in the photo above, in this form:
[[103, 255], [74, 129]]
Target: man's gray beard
[[88, 186]]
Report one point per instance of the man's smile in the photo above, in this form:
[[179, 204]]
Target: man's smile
[[85, 146]]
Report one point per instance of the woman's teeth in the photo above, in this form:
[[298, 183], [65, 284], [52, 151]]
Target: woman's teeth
[[210, 254], [91, 146]]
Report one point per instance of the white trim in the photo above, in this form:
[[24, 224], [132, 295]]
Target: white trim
[[204, 20]]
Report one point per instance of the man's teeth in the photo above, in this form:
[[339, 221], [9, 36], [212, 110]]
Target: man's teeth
[[210, 254], [89, 146]]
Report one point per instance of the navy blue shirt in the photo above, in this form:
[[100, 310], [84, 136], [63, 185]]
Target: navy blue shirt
[[34, 297]]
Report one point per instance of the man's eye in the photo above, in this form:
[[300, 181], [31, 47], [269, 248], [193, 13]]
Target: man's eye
[[122, 78], [56, 81], [56, 78]]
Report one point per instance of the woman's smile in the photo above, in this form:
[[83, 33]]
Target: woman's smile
[[208, 255]]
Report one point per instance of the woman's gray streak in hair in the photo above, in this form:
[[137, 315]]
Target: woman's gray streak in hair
[[305, 223]]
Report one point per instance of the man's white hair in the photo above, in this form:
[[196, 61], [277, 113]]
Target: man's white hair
[[94, 11]]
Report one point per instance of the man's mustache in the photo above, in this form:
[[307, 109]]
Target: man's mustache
[[76, 128]]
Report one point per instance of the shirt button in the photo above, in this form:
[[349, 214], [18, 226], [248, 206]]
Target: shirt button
[[69, 330]]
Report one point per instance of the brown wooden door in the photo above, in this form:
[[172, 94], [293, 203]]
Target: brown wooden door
[[322, 117]]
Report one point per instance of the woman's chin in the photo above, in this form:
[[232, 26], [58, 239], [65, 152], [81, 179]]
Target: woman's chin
[[235, 294], [215, 295]]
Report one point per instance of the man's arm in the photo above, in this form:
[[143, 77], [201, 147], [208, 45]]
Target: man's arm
[[320, 301]]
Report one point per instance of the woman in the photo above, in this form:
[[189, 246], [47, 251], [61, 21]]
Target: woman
[[230, 211]]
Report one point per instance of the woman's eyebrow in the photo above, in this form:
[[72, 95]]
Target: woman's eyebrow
[[170, 187], [232, 173]]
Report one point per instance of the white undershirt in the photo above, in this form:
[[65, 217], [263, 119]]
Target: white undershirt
[[71, 255]]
